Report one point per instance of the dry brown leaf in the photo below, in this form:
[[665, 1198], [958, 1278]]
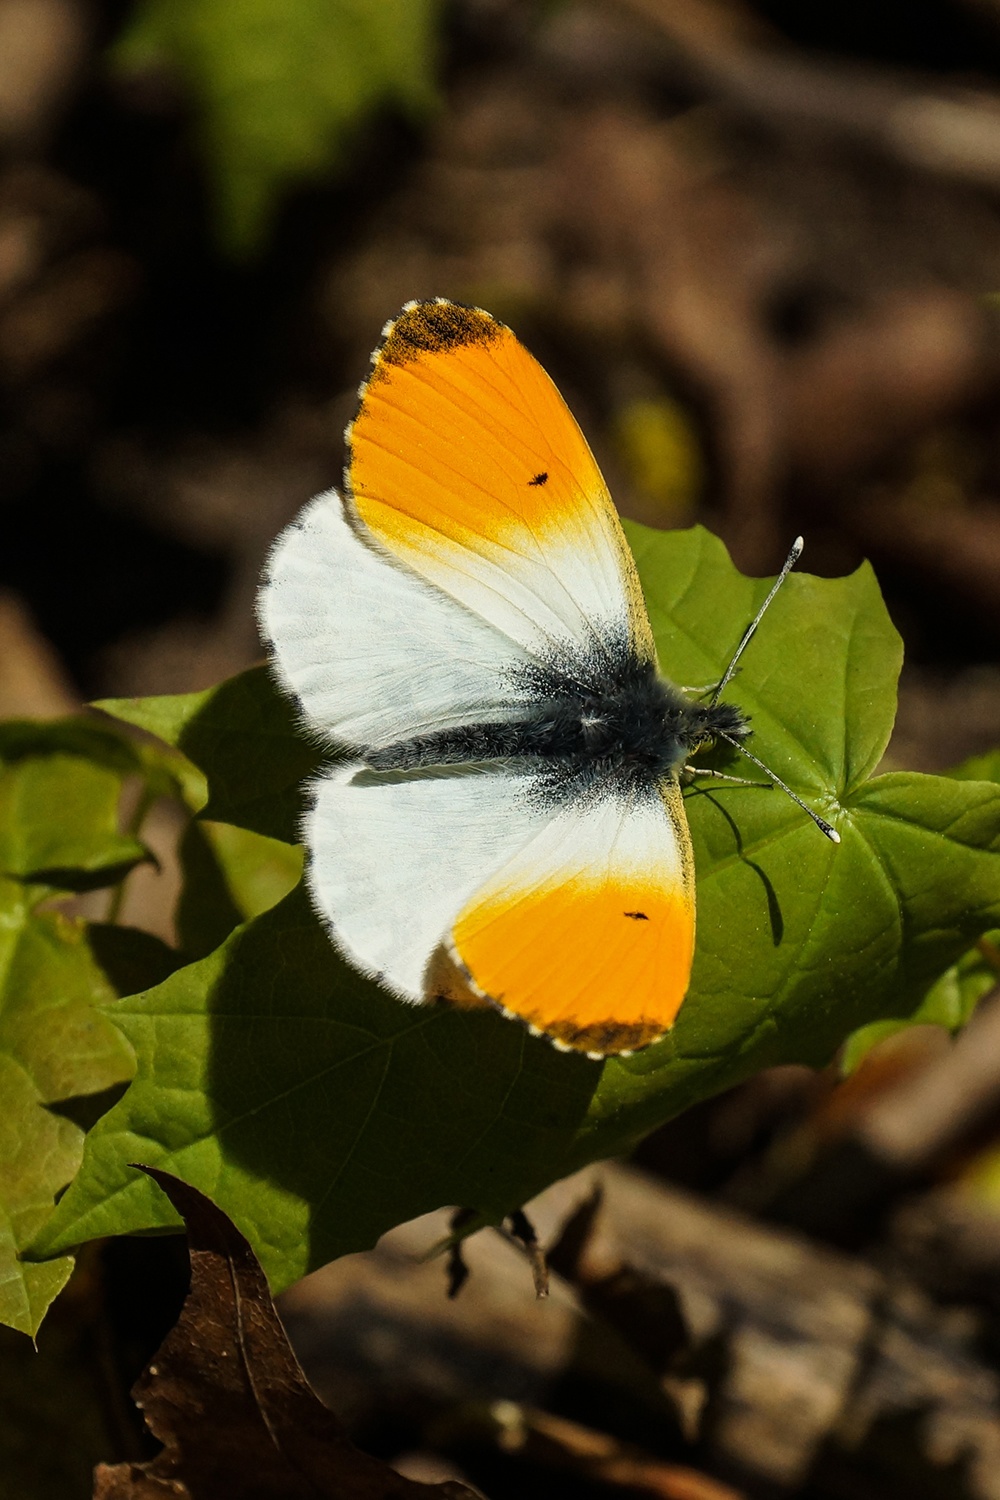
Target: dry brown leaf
[[226, 1397]]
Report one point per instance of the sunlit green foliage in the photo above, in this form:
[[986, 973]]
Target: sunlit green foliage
[[60, 786], [279, 90], [317, 1111], [951, 1000]]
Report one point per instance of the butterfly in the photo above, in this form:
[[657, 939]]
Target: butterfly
[[467, 619]]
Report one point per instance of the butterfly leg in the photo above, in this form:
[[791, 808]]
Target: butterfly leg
[[520, 1228]]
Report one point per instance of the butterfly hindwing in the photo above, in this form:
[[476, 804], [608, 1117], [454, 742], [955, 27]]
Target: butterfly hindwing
[[575, 918], [587, 932], [393, 857]]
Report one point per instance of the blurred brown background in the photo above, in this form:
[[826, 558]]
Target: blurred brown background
[[758, 247]]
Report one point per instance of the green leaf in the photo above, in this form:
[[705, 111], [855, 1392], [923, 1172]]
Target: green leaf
[[317, 1111], [948, 1003], [206, 910], [131, 959], [463, 1098], [20, 739], [54, 1046], [230, 874], [280, 90], [242, 736], [985, 767], [953, 996], [60, 790], [61, 787]]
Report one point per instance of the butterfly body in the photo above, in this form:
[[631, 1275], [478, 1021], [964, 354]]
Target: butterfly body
[[467, 619], [585, 725]]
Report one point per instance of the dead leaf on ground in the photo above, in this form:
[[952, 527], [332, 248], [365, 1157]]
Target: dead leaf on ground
[[226, 1397]]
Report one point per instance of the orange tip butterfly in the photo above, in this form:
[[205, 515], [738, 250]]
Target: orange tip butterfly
[[467, 618]]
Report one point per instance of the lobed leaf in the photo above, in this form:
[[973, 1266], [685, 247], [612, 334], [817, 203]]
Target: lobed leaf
[[317, 1111], [226, 1398], [60, 790], [61, 786], [242, 737], [230, 874], [54, 1046], [954, 995], [949, 1003]]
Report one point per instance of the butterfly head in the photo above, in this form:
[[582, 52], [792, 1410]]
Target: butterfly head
[[704, 723]]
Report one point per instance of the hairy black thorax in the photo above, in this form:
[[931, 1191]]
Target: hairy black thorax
[[610, 717]]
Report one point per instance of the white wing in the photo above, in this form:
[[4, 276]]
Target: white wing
[[396, 856], [576, 917], [373, 653]]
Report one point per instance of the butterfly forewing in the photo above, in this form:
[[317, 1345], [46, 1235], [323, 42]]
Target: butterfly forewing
[[372, 652], [467, 464]]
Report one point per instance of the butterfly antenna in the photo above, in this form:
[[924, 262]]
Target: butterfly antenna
[[748, 635], [821, 823]]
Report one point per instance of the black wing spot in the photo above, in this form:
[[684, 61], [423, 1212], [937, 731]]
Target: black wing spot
[[637, 916], [542, 478]]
